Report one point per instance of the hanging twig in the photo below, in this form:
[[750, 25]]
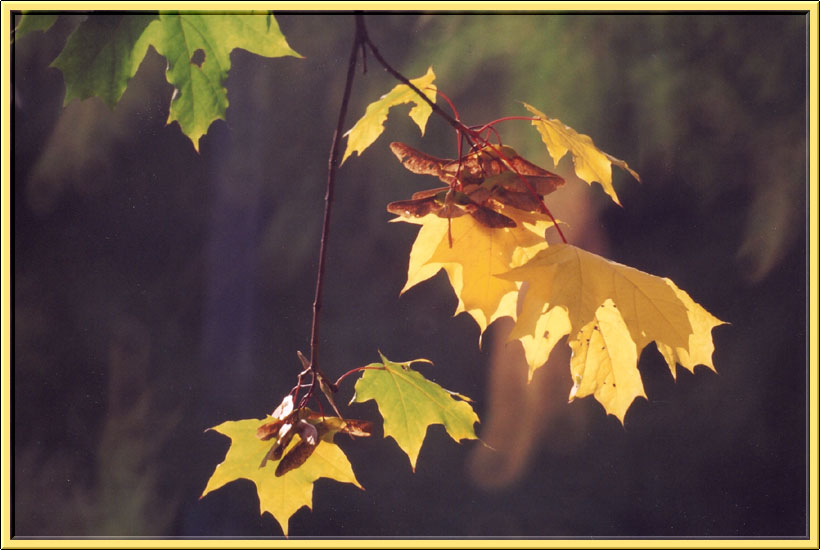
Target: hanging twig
[[333, 165]]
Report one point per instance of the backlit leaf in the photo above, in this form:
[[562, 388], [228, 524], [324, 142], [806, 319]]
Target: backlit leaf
[[200, 97], [605, 362], [371, 125], [283, 495], [33, 21], [477, 255], [611, 312], [591, 164], [104, 52], [410, 403]]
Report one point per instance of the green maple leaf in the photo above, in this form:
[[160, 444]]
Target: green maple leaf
[[409, 404], [105, 51], [281, 496], [102, 54], [30, 22]]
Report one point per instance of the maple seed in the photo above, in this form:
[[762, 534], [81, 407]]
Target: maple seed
[[479, 184], [475, 167], [267, 431]]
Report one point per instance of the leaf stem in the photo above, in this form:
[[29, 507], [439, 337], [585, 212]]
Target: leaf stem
[[404, 80], [483, 127], [354, 371]]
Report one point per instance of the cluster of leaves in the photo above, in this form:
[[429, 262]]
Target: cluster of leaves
[[485, 228], [303, 448], [609, 311]]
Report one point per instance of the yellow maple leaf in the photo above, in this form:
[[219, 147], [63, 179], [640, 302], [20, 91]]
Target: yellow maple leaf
[[281, 496], [368, 128], [633, 307], [591, 164], [604, 362], [477, 255]]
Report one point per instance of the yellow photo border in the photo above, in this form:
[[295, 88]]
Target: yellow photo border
[[5, 207]]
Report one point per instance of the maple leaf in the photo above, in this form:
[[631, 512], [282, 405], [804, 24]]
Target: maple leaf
[[104, 52], [410, 403], [478, 253], [591, 164], [200, 97], [611, 312], [33, 21], [280, 495], [368, 128]]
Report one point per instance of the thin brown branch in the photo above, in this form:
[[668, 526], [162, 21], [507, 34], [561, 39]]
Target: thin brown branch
[[404, 80], [333, 165]]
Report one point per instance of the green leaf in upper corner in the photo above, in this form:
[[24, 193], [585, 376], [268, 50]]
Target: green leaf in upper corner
[[371, 125], [198, 48], [280, 495], [409, 403], [591, 164], [32, 21], [104, 52]]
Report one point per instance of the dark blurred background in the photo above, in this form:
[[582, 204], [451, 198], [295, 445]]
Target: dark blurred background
[[158, 292]]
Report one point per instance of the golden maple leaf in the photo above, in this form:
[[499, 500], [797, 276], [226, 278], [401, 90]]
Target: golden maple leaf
[[280, 495], [611, 312], [591, 164], [478, 253], [368, 128]]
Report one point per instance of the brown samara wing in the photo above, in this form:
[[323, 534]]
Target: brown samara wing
[[269, 430], [429, 192], [333, 424], [295, 457], [462, 204], [510, 181], [416, 208], [490, 218], [427, 202], [357, 428], [475, 167], [416, 161], [493, 161], [522, 201]]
